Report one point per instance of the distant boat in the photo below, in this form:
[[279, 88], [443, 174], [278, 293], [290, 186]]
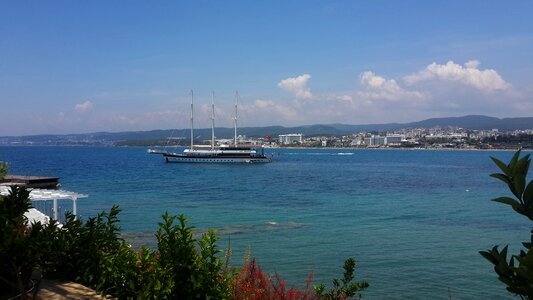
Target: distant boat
[[216, 154]]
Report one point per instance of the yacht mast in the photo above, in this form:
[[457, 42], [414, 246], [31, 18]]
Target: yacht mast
[[192, 118], [235, 119], [213, 121]]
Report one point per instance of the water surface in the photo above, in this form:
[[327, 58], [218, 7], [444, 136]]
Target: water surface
[[414, 220]]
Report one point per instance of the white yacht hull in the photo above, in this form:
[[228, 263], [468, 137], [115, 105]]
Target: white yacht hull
[[222, 160]]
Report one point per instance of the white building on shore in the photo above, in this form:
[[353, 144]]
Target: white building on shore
[[374, 140], [391, 139], [292, 138]]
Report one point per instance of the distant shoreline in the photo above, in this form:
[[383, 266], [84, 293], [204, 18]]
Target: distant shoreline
[[349, 148], [268, 148], [404, 149]]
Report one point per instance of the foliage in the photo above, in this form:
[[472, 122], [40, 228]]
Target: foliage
[[345, 290], [510, 141], [4, 166], [17, 254], [190, 273], [517, 273], [253, 283], [93, 253]]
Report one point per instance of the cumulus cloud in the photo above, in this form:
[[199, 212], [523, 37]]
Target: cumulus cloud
[[286, 112], [469, 74], [374, 98], [83, 107], [297, 86], [472, 64], [379, 88], [344, 98]]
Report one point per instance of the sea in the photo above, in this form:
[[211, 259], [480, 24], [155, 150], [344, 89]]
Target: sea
[[414, 220]]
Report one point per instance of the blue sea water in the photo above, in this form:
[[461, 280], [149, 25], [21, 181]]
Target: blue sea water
[[414, 220]]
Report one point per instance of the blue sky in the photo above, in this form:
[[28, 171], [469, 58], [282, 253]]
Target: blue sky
[[85, 66]]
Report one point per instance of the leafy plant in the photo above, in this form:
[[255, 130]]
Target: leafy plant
[[251, 282], [91, 253], [4, 166], [192, 273], [94, 254], [517, 273], [344, 288], [212, 282], [151, 279], [18, 254]]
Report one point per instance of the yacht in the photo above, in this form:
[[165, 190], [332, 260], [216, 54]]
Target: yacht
[[216, 154]]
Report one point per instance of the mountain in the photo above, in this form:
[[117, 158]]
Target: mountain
[[473, 122]]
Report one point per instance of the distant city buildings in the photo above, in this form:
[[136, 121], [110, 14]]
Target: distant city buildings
[[293, 138], [374, 140], [377, 140], [394, 139], [449, 137]]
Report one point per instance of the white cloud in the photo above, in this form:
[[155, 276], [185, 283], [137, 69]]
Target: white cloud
[[345, 98], [487, 80], [297, 86], [379, 88], [286, 112], [264, 103], [472, 64], [373, 99], [83, 107]]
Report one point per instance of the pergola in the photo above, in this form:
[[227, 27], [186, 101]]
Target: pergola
[[50, 195]]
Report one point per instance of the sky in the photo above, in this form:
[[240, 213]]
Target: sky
[[90, 66]]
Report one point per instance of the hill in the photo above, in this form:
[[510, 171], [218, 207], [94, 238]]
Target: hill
[[473, 122]]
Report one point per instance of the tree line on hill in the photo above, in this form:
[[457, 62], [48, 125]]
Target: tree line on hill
[[157, 137]]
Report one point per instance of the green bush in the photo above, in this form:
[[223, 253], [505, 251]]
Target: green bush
[[91, 253], [517, 273], [344, 288], [94, 254], [18, 254], [192, 273]]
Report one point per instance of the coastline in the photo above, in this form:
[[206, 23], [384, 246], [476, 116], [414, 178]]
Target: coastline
[[269, 148], [405, 149]]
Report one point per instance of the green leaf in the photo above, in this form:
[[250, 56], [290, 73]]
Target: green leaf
[[519, 175], [489, 256], [528, 194], [504, 251], [514, 159], [502, 177], [502, 166], [509, 201]]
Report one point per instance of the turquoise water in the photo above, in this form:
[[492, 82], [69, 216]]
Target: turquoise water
[[414, 220]]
